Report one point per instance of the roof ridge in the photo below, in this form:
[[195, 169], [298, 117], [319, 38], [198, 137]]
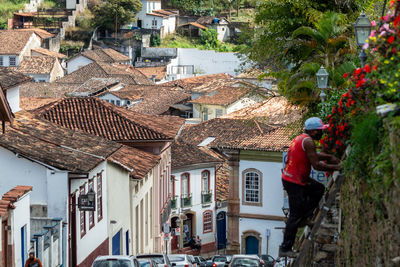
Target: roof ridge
[[113, 109]]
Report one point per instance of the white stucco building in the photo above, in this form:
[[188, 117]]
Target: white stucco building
[[10, 82], [223, 100], [15, 45], [152, 16], [42, 68], [15, 226], [193, 189], [63, 165], [104, 55]]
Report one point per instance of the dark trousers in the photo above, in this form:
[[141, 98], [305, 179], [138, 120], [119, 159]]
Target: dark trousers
[[302, 202]]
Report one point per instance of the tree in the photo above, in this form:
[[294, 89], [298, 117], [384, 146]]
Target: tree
[[327, 44], [209, 37], [111, 14]]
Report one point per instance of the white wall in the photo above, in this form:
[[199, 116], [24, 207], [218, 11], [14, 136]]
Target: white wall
[[260, 226], [272, 202], [243, 103], [20, 217], [6, 60], [272, 191], [96, 235], [48, 187], [145, 186], [76, 63], [57, 194], [57, 71], [197, 207], [118, 205], [208, 61], [19, 171], [13, 98], [39, 77], [33, 42], [110, 97]]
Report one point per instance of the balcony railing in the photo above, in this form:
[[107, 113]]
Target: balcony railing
[[186, 201], [173, 202], [206, 197]]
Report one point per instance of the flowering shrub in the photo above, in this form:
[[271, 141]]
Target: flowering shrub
[[378, 82]]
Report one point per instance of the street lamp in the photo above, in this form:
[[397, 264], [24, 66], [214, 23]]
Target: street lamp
[[362, 30], [91, 195], [322, 80]]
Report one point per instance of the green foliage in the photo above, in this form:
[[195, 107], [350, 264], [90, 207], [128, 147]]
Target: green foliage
[[7, 9], [155, 40], [112, 14], [177, 41], [209, 37], [84, 20]]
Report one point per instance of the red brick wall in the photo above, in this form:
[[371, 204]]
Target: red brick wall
[[99, 251]]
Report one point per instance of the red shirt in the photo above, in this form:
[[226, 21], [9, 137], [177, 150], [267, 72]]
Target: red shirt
[[298, 167]]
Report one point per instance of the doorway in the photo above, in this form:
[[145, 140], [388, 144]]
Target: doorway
[[23, 245], [139, 23], [73, 246], [252, 245], [116, 244], [221, 230]]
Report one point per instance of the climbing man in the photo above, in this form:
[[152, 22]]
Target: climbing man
[[304, 193]]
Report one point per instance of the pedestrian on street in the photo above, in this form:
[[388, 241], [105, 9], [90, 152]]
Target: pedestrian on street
[[198, 243], [304, 193], [32, 261]]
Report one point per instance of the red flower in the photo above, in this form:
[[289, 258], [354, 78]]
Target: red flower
[[396, 21], [345, 75], [374, 67], [352, 102], [367, 69], [390, 39], [394, 50]]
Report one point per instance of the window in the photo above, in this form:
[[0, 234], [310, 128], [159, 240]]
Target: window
[[205, 114], [13, 61], [185, 185], [1, 61], [252, 184], [154, 24], [154, 5], [207, 221], [99, 197], [118, 103], [112, 101], [205, 182], [91, 213], [173, 186], [218, 113], [82, 214]]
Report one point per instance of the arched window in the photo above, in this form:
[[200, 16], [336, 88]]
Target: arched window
[[207, 221], [252, 187], [205, 182], [185, 185]]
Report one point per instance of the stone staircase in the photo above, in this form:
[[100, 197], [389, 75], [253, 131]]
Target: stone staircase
[[317, 246]]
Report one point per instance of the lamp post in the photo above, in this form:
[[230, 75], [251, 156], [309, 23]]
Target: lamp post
[[322, 80], [362, 30]]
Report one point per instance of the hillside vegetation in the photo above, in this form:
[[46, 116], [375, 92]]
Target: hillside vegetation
[[8, 8]]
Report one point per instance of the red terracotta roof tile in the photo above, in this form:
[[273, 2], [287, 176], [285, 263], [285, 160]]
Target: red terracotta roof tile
[[155, 99], [105, 55], [12, 196], [139, 161], [46, 52], [158, 72], [13, 42], [56, 146], [37, 65], [100, 118], [11, 78], [184, 155], [222, 96], [192, 82], [123, 73]]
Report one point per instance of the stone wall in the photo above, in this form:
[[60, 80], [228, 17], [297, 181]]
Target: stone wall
[[371, 214]]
